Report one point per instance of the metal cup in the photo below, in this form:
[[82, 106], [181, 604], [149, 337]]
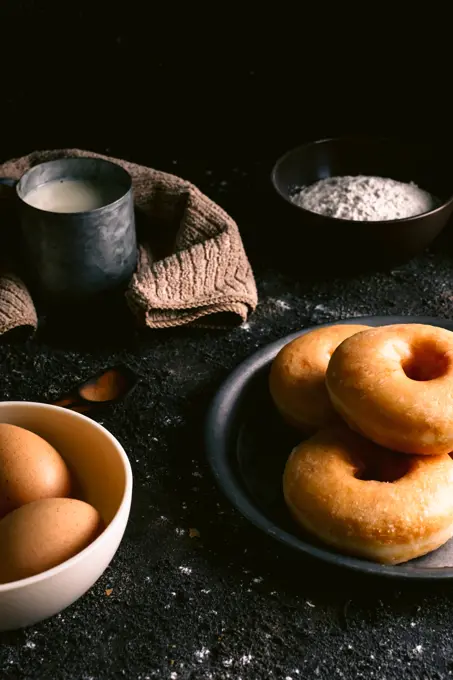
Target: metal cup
[[78, 255]]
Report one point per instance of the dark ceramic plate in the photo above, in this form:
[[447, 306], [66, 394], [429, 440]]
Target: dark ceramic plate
[[247, 447]]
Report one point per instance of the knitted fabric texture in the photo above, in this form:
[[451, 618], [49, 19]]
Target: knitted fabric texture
[[192, 266], [16, 306]]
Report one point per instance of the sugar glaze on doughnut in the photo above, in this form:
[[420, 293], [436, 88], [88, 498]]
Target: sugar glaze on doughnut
[[394, 384], [328, 490], [297, 377]]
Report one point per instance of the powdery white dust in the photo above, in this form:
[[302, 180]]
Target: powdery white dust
[[202, 654], [362, 198]]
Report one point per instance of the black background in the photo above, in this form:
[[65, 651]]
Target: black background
[[219, 83]]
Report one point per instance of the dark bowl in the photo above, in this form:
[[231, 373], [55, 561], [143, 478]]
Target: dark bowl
[[248, 444], [429, 165]]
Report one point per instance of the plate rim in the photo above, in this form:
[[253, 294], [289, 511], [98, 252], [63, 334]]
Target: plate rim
[[216, 449]]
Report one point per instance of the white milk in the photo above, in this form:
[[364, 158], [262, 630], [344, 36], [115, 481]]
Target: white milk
[[71, 195]]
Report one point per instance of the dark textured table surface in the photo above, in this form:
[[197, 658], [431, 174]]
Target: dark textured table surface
[[223, 602]]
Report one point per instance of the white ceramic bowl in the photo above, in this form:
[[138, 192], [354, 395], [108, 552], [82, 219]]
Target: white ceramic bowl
[[103, 472]]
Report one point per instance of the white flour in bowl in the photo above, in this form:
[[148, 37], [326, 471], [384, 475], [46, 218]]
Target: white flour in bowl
[[364, 198]]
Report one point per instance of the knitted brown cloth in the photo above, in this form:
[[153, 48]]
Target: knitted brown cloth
[[192, 266], [16, 306]]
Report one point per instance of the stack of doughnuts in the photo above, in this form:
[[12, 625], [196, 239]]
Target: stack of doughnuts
[[374, 478]]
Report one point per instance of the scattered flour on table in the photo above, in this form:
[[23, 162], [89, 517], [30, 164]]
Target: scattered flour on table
[[282, 304], [362, 198], [246, 659], [202, 654]]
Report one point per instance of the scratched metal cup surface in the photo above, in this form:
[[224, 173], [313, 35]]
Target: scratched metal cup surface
[[78, 255]]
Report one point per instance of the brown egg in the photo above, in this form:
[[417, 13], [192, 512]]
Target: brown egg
[[30, 469], [43, 534]]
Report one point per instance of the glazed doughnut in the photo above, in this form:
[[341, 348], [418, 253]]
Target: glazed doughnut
[[331, 489], [297, 376], [394, 384]]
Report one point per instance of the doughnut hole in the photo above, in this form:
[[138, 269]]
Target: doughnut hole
[[425, 362], [387, 467]]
